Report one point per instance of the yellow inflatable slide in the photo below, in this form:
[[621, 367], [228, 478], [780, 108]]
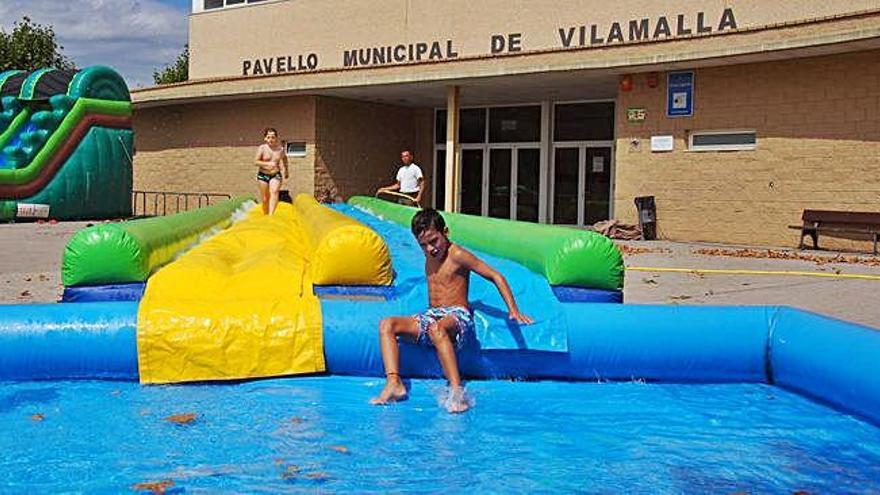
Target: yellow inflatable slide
[[240, 305]]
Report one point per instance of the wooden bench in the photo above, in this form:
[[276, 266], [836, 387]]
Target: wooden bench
[[838, 222]]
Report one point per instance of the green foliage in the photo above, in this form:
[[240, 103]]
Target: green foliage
[[31, 46], [176, 72]]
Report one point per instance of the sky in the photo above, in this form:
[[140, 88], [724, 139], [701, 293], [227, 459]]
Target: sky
[[135, 37]]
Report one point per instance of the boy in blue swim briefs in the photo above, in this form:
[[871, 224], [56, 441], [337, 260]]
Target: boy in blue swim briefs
[[448, 323]]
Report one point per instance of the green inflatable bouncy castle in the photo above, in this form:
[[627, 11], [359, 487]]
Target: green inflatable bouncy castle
[[66, 144]]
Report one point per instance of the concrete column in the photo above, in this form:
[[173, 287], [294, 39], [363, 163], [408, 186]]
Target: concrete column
[[453, 149], [546, 150]]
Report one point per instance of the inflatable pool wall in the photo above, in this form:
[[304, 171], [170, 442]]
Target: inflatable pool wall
[[829, 360]]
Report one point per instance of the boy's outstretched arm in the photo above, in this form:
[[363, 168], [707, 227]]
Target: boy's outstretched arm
[[471, 262]]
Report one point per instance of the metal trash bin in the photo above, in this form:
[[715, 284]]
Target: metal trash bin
[[647, 217]]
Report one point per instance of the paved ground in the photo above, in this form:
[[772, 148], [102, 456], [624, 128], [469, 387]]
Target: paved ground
[[849, 299], [30, 265], [29, 273]]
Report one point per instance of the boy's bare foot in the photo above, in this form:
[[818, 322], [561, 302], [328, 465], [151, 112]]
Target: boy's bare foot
[[394, 391], [457, 401]]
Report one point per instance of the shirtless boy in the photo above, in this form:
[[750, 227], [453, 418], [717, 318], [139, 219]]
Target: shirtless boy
[[448, 323], [271, 161]]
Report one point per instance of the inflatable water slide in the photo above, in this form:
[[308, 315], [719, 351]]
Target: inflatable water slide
[[66, 144], [226, 293]]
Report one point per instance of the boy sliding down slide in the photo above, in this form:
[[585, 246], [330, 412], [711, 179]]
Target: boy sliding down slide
[[448, 268]]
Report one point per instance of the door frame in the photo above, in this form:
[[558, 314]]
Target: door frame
[[514, 172], [547, 149], [582, 147]]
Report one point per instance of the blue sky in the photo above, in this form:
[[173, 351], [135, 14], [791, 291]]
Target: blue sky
[[133, 36]]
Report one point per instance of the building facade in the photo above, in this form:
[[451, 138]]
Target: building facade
[[734, 115]]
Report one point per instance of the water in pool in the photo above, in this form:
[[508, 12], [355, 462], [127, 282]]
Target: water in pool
[[320, 435]]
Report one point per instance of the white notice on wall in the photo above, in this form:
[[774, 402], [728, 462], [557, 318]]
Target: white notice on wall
[[598, 164], [679, 101], [28, 210], [662, 143]]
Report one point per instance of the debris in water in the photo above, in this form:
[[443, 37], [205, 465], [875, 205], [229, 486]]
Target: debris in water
[[38, 417], [319, 476], [154, 487], [182, 419], [291, 471], [342, 449]]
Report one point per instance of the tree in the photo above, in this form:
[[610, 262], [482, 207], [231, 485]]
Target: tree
[[176, 72], [31, 46]]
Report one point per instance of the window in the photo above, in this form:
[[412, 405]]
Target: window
[[722, 141], [219, 4], [471, 126], [584, 122], [440, 127], [296, 149], [514, 124]]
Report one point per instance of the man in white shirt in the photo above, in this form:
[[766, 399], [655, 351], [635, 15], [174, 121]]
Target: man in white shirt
[[409, 181]]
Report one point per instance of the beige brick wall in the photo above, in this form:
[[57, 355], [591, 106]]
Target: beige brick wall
[[210, 147], [221, 40], [358, 144], [818, 128]]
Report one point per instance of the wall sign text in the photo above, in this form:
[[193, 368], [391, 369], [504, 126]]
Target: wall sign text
[[576, 36]]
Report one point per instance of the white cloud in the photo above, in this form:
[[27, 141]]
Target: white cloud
[[133, 36]]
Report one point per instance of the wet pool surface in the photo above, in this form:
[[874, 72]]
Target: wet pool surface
[[319, 434]]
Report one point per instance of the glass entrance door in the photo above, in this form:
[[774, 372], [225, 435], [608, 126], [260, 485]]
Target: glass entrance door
[[597, 185], [566, 186], [513, 190], [500, 173], [527, 194], [581, 184], [471, 201], [501, 182]]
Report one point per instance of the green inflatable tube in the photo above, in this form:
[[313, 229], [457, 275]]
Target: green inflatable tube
[[99, 82], [81, 108], [131, 251], [565, 256], [20, 119]]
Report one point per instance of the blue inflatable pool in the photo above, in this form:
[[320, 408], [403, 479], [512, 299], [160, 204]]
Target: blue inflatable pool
[[736, 401]]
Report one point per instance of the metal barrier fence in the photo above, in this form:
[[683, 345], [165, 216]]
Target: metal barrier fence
[[158, 203]]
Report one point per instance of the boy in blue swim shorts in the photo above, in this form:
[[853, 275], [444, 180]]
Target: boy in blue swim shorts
[[448, 323]]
